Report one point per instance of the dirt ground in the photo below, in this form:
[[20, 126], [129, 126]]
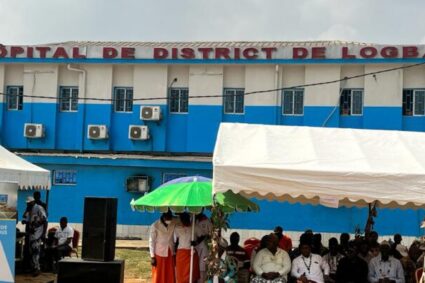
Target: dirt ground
[[137, 268]]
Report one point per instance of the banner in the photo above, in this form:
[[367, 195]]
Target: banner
[[8, 216]]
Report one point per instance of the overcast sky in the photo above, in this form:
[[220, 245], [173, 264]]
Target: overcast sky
[[373, 21]]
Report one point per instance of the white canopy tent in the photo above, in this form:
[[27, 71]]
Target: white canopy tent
[[14, 169], [329, 166]]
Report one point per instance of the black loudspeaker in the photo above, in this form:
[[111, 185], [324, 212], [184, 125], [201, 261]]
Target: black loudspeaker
[[76, 270], [99, 229]]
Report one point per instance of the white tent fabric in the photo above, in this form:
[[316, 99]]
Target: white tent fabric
[[14, 169], [329, 166]]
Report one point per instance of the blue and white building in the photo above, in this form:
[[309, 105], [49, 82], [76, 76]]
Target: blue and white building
[[118, 118]]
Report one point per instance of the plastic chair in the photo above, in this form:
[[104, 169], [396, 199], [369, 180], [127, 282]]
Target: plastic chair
[[418, 275]]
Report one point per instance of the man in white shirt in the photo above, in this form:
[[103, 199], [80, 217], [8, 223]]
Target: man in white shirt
[[385, 268], [63, 236], [271, 264], [161, 248], [308, 267]]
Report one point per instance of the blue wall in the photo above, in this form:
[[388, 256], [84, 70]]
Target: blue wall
[[182, 133], [193, 132], [109, 180]]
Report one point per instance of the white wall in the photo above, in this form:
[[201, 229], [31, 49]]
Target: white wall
[[181, 73], [260, 77], [99, 82], [41, 80], [123, 75], [322, 95], [234, 77], [2, 82], [150, 81], [67, 77], [205, 80], [384, 89], [414, 77], [350, 71], [14, 74]]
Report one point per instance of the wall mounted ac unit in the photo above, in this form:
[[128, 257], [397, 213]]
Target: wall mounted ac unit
[[138, 184], [33, 130], [97, 132], [136, 132], [150, 113]]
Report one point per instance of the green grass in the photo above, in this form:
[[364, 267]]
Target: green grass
[[137, 263]]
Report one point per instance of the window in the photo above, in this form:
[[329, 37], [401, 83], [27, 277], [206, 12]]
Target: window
[[293, 102], [123, 99], [68, 99], [15, 97], [64, 177], [166, 177], [179, 100], [233, 101], [414, 102], [351, 102]]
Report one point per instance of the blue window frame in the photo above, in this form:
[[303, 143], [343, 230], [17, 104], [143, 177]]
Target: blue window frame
[[293, 102], [414, 102], [179, 100], [68, 98], [233, 100], [64, 177], [15, 97], [351, 102], [123, 99]]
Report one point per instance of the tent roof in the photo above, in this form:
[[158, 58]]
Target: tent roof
[[14, 169], [329, 166]]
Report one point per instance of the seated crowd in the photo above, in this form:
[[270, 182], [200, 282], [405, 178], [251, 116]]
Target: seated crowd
[[361, 260]]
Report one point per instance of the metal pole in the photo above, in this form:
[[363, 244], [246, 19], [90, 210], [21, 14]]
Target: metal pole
[[192, 249]]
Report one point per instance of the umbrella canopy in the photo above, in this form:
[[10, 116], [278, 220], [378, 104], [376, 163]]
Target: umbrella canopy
[[191, 194]]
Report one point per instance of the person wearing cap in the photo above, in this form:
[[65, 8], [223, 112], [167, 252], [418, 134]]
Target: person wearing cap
[[385, 268], [271, 264], [309, 267], [285, 242], [35, 218], [161, 248]]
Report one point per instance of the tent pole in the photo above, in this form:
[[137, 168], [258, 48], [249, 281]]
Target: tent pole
[[47, 200], [192, 248]]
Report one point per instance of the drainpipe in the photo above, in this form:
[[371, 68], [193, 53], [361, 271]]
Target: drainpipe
[[82, 84], [277, 86]]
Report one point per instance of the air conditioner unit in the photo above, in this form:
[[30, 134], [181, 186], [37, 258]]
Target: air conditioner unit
[[150, 113], [33, 130], [136, 132], [97, 132], [138, 184]]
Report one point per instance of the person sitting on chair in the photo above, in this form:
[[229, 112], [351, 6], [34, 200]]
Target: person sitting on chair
[[62, 244], [271, 264]]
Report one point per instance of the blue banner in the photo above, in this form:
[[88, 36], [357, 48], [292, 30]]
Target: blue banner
[[7, 250]]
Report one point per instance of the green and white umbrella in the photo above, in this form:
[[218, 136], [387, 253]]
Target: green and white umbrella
[[191, 194]]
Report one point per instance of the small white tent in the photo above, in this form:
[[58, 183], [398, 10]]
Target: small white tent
[[14, 169], [329, 166]]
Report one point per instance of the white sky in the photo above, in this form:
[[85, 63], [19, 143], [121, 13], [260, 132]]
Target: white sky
[[373, 21]]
